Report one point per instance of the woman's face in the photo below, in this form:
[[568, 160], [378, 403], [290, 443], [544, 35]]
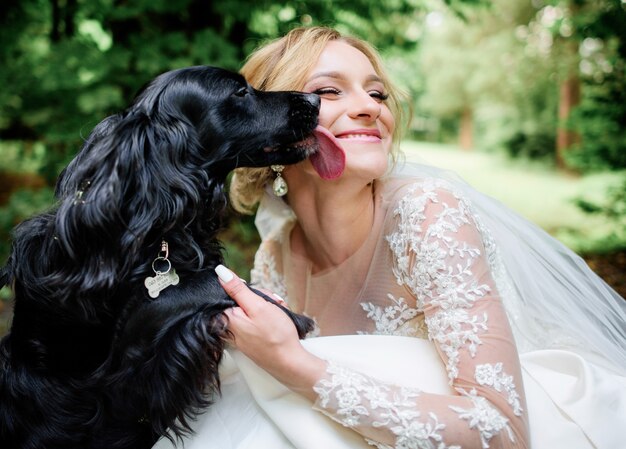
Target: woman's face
[[353, 108]]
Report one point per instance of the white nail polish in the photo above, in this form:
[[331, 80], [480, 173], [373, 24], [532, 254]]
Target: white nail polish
[[279, 297], [224, 273]]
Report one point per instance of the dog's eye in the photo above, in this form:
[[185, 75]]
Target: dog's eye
[[242, 92]]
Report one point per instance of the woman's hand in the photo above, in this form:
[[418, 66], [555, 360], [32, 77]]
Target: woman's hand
[[266, 335]]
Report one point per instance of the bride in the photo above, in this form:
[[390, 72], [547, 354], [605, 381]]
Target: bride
[[443, 319]]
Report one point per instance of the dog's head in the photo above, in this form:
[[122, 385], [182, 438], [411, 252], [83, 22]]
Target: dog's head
[[157, 170], [205, 116], [236, 125]]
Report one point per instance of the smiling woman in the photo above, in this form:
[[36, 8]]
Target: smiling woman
[[450, 283]]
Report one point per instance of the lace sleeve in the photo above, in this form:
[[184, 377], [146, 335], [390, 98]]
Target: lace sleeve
[[443, 258]]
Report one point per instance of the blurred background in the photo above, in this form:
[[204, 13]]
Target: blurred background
[[525, 99]]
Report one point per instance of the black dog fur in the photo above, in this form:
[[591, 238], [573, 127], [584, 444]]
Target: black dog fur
[[91, 360]]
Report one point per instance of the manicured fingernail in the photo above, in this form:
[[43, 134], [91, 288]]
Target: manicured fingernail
[[279, 297], [224, 273]]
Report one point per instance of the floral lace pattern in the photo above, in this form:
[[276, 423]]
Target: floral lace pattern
[[422, 264], [440, 251], [266, 274], [493, 376], [352, 395], [484, 417], [393, 319], [350, 390]]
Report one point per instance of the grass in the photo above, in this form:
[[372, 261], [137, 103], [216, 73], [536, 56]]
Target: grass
[[534, 190]]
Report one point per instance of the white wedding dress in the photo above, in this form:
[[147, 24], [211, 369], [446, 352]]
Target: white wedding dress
[[415, 326], [571, 407]]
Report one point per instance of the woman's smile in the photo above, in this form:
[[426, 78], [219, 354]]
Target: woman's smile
[[361, 135]]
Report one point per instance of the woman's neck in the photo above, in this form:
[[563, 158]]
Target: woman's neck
[[332, 223]]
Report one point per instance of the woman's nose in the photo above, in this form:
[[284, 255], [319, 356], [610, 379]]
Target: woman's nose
[[364, 106]]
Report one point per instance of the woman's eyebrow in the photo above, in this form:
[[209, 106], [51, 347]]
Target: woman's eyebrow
[[325, 75], [375, 78], [338, 75]]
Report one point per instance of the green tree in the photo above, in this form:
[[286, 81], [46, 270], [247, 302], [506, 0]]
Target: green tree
[[483, 71], [588, 47], [535, 77]]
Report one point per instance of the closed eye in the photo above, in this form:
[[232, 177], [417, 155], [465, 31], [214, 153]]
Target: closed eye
[[379, 95], [331, 91], [326, 91]]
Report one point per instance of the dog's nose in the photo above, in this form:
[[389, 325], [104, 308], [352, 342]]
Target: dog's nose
[[314, 99]]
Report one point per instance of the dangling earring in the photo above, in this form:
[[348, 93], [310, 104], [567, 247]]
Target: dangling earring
[[280, 185]]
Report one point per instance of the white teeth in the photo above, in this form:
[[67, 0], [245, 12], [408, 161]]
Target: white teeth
[[356, 136]]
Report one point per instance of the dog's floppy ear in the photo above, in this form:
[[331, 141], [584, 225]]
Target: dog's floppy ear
[[132, 183], [72, 175]]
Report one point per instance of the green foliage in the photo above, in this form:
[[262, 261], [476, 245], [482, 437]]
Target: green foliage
[[490, 63], [601, 121], [506, 64], [68, 72], [613, 208], [532, 146], [590, 44]]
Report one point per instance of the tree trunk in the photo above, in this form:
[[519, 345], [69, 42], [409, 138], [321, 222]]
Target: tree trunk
[[55, 29], [569, 94], [466, 130], [70, 11], [569, 98]]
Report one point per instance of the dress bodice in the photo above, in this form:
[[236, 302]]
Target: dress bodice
[[359, 296], [427, 270]]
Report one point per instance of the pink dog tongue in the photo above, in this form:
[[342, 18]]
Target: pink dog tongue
[[330, 160]]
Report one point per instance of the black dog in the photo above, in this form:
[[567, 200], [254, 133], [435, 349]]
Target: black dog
[[93, 360]]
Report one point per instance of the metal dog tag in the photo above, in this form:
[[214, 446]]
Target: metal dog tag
[[160, 282]]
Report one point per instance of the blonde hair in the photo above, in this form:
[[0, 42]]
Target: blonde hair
[[284, 64]]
